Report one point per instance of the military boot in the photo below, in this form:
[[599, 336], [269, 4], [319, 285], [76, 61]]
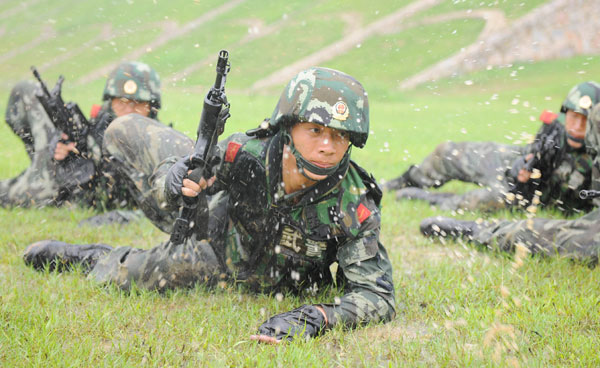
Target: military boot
[[434, 198], [63, 256], [403, 181], [448, 227]]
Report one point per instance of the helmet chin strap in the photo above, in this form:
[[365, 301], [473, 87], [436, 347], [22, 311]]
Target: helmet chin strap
[[578, 140], [304, 165]]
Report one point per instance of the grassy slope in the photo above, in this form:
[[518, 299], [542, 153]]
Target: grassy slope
[[451, 308]]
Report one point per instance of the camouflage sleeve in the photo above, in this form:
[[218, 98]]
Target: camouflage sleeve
[[367, 273]]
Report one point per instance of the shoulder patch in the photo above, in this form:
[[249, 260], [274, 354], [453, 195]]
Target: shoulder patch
[[255, 147], [363, 213], [95, 111], [232, 150], [548, 116]]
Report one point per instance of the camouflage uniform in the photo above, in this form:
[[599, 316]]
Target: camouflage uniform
[[486, 164], [258, 235], [141, 150], [481, 163], [86, 180], [576, 239]]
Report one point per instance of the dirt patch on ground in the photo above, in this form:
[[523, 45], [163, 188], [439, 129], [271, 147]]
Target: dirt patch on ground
[[496, 28], [555, 30], [21, 7], [170, 32], [47, 33], [358, 35]]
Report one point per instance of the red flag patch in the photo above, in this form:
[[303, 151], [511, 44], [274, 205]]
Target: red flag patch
[[548, 116], [363, 213], [95, 111], [232, 150]]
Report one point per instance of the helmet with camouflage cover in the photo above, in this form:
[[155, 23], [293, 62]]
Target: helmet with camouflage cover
[[592, 144], [592, 133], [582, 98], [135, 81], [327, 97]]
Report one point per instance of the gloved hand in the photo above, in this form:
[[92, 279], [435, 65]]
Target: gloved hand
[[306, 321], [174, 180]]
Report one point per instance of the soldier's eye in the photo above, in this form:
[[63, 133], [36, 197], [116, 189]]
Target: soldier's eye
[[342, 135]]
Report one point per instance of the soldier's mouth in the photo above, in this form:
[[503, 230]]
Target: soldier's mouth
[[576, 134], [324, 165]]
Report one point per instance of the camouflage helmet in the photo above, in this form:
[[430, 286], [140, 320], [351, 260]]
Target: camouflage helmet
[[135, 81], [592, 133], [327, 97], [592, 145], [582, 98]]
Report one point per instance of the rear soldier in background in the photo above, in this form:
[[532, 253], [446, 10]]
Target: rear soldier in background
[[498, 168], [58, 172], [287, 202], [576, 239]]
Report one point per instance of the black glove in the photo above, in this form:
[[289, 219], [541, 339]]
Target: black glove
[[526, 189], [174, 180], [306, 321]]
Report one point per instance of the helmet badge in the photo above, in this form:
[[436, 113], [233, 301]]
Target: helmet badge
[[130, 87], [340, 111], [585, 102]]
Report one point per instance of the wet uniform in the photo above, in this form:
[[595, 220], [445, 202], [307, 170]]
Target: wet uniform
[[486, 164], [50, 182], [258, 235], [87, 179]]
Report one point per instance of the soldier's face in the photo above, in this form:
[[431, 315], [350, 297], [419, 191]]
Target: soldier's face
[[124, 106], [575, 126], [322, 146]]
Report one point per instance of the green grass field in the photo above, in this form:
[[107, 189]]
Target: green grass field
[[457, 305]]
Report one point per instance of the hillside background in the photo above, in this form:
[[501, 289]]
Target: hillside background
[[435, 70]]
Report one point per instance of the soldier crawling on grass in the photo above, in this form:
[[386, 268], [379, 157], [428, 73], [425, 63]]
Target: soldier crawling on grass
[[560, 165], [286, 203], [59, 172], [577, 239]]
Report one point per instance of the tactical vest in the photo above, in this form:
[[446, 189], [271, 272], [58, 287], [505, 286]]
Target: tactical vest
[[573, 174], [274, 242]]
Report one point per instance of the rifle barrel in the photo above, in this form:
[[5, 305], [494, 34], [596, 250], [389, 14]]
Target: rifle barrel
[[37, 76], [585, 194]]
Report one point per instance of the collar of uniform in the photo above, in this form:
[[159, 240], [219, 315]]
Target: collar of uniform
[[308, 195]]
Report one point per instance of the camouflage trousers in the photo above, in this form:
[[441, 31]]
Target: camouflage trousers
[[142, 150], [39, 184], [576, 239], [481, 163]]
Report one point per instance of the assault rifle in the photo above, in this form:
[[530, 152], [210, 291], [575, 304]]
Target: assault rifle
[[547, 149], [589, 194], [194, 212], [68, 117]]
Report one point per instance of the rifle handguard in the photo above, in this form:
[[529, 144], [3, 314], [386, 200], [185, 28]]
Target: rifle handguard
[[194, 212]]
